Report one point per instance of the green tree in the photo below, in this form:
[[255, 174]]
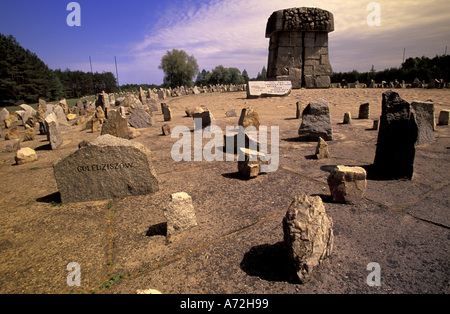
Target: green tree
[[179, 68], [245, 76], [23, 76]]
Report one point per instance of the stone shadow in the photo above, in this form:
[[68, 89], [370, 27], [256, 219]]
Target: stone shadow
[[269, 262], [54, 198], [158, 229]]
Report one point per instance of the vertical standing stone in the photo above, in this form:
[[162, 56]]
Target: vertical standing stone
[[397, 135], [308, 235], [54, 135], [347, 118], [322, 150], [316, 122], [298, 48], [167, 113], [426, 124], [444, 117], [115, 125], [298, 113], [364, 111], [180, 214]]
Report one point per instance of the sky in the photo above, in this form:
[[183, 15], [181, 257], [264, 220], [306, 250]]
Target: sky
[[138, 33]]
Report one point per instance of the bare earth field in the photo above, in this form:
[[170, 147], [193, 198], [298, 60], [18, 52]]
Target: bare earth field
[[237, 246]]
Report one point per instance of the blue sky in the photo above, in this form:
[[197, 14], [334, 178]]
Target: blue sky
[[217, 32]]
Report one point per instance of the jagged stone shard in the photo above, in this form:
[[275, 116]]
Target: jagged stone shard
[[109, 167], [397, 135], [308, 235], [316, 122]]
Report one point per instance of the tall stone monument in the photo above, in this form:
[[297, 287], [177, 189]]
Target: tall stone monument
[[298, 50]]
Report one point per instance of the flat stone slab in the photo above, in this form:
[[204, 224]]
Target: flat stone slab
[[106, 168], [268, 89]]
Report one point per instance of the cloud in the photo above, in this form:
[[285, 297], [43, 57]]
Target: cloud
[[232, 33]]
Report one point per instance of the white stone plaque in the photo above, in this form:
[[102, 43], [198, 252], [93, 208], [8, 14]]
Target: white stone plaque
[[257, 89]]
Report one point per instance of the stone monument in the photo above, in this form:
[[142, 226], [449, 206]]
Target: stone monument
[[298, 49]]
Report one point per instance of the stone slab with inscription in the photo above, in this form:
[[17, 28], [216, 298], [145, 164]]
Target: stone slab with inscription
[[107, 168], [257, 89]]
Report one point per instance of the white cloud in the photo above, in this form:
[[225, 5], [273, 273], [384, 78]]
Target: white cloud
[[231, 33]]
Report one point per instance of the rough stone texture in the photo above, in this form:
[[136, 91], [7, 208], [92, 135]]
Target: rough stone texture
[[364, 111], [249, 117], [166, 130], [202, 118], [102, 101], [444, 117], [322, 150], [308, 235], [12, 146], [426, 123], [3, 113], [167, 113], [115, 125], [397, 134], [298, 48], [54, 135], [298, 112], [180, 214], [347, 184], [250, 167], [12, 134], [25, 155], [347, 118], [109, 167], [316, 122], [29, 134], [140, 119], [256, 89]]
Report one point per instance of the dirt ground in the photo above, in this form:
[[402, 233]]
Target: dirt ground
[[236, 248]]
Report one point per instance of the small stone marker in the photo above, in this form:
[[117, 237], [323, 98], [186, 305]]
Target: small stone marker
[[425, 121], [109, 167], [308, 235], [347, 184], [180, 214], [347, 118], [322, 149], [12, 146], [167, 113], [25, 155], [29, 134], [250, 167], [364, 111], [316, 122], [3, 113], [249, 117], [54, 135], [444, 117], [375, 124], [256, 89], [397, 135], [298, 113], [166, 130]]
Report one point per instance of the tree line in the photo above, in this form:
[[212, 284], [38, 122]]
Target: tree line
[[423, 68], [24, 78]]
